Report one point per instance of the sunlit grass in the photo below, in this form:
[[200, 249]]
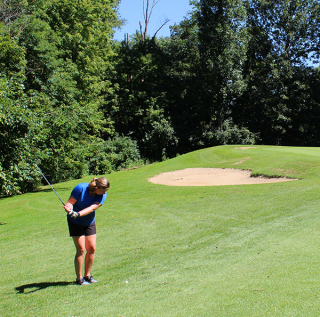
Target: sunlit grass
[[246, 250]]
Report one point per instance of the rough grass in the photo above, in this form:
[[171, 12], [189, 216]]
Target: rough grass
[[245, 250]]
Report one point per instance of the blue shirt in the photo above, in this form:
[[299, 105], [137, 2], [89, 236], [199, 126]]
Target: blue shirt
[[84, 200]]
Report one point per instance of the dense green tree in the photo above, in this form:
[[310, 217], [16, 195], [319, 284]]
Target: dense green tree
[[282, 40], [17, 122], [14, 16], [182, 83], [68, 51], [18, 130], [222, 47], [304, 104], [291, 27], [73, 42], [139, 107], [53, 61]]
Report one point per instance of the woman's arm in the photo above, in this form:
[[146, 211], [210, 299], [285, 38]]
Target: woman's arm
[[69, 205], [89, 210]]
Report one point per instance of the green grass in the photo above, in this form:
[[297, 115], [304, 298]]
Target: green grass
[[246, 250]]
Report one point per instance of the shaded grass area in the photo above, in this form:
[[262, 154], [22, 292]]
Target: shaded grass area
[[246, 250]]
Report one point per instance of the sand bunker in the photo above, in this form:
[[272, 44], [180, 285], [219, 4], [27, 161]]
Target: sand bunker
[[212, 177]]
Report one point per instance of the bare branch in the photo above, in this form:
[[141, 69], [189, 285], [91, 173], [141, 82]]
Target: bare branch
[[10, 12], [147, 15], [163, 24], [141, 29]]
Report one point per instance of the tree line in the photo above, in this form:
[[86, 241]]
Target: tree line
[[231, 72]]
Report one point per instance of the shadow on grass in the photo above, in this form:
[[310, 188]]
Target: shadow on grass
[[34, 287], [44, 190]]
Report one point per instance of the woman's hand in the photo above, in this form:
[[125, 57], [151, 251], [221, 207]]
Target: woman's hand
[[74, 214], [69, 205], [68, 208]]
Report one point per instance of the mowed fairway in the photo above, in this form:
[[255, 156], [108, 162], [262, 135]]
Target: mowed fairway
[[244, 250]]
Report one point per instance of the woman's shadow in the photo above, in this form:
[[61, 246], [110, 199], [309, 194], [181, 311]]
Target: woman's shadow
[[34, 287]]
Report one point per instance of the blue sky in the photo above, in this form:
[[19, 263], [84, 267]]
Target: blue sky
[[132, 11]]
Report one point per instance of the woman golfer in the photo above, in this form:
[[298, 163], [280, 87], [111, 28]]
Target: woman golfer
[[85, 199]]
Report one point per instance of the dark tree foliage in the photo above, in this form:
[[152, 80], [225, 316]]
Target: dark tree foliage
[[282, 43], [53, 62], [138, 110], [182, 84], [222, 48]]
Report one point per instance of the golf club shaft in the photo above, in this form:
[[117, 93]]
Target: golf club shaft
[[49, 184]]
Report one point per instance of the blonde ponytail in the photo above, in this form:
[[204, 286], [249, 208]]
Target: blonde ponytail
[[93, 184], [98, 182]]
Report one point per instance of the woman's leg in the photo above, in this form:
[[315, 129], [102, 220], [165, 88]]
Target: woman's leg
[[80, 244], [90, 243]]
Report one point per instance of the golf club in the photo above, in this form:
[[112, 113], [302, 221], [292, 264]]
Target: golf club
[[49, 183]]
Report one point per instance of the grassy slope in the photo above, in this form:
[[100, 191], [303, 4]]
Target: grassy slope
[[249, 250]]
